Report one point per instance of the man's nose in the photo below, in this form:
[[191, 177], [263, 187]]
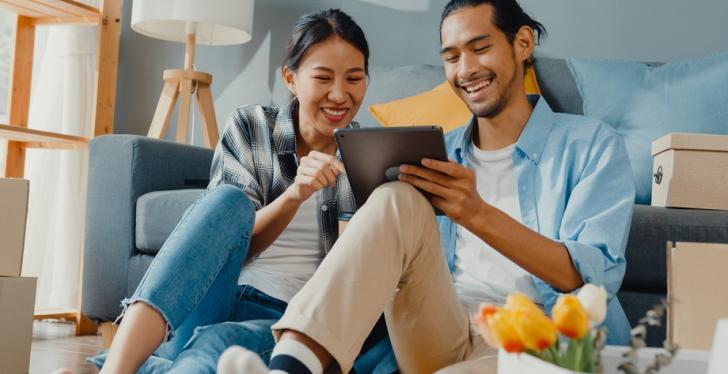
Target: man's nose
[[468, 66]]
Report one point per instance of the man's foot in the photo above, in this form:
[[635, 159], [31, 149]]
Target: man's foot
[[238, 360]]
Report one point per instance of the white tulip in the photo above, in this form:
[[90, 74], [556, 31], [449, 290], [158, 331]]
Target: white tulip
[[594, 300]]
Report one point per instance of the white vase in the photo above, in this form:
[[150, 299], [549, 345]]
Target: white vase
[[523, 363], [686, 361]]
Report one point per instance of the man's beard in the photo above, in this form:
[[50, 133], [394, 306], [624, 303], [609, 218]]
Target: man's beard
[[491, 109]]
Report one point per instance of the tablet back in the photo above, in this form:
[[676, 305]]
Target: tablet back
[[369, 152]]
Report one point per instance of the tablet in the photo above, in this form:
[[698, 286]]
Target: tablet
[[372, 156]]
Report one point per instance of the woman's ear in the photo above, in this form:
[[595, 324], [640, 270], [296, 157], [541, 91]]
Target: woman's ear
[[289, 78]]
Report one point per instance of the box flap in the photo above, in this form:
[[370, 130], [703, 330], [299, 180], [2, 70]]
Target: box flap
[[695, 273], [690, 141]]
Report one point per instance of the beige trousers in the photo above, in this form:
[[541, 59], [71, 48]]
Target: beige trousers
[[389, 259]]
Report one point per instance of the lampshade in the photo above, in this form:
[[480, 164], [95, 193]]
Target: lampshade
[[215, 22]]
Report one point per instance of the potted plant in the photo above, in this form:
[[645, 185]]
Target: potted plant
[[568, 342]]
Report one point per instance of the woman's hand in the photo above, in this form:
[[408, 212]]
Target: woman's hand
[[315, 171]]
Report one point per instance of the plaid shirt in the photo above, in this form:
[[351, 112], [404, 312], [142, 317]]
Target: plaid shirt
[[257, 153]]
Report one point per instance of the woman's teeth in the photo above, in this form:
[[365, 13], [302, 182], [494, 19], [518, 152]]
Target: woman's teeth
[[335, 113]]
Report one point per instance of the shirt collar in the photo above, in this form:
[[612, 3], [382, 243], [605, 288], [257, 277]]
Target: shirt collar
[[532, 139]]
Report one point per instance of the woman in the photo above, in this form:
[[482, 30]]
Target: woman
[[276, 189]]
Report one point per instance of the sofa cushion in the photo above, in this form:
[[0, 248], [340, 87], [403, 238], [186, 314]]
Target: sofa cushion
[[158, 213], [439, 106], [644, 102], [557, 85]]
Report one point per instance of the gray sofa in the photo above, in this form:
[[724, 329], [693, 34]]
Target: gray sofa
[[139, 188]]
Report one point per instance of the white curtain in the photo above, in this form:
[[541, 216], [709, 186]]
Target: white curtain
[[61, 101]]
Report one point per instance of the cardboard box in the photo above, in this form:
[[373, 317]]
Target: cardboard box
[[14, 208], [690, 171], [17, 302], [696, 280]]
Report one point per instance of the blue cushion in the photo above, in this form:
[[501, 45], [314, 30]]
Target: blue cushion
[[644, 102], [158, 213]]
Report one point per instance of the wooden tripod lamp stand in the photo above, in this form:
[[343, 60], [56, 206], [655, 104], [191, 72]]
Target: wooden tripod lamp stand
[[209, 22]]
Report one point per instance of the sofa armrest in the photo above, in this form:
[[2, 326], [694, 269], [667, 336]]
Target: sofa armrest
[[122, 168], [652, 227]]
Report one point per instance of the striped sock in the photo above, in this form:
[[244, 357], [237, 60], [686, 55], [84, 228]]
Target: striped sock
[[293, 357]]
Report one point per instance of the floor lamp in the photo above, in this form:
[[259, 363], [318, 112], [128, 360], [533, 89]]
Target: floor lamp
[[208, 22]]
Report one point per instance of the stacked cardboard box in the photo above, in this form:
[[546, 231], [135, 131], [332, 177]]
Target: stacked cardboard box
[[695, 279], [690, 171], [17, 294]]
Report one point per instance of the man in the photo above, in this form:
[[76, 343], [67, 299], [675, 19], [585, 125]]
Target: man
[[536, 202]]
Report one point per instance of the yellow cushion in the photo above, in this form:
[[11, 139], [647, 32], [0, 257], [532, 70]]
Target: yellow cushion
[[439, 106]]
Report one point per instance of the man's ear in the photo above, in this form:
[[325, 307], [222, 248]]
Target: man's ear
[[289, 79], [524, 43]]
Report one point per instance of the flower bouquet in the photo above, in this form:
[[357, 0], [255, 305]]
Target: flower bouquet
[[570, 341]]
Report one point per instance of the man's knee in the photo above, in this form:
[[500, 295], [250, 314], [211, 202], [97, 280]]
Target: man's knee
[[402, 194]]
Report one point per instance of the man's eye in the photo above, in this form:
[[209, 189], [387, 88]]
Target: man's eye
[[481, 49], [451, 59]]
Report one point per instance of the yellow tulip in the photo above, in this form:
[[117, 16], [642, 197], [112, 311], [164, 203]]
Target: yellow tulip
[[518, 301], [503, 326], [536, 330], [570, 317], [481, 321]]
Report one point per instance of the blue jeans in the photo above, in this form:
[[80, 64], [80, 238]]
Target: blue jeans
[[192, 282]]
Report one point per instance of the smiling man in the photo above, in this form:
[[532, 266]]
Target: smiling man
[[535, 202]]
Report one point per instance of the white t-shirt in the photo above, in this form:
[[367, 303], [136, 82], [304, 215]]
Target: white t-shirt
[[482, 274], [282, 269]]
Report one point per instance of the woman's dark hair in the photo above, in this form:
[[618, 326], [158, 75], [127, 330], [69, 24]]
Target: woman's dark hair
[[508, 16], [318, 26]]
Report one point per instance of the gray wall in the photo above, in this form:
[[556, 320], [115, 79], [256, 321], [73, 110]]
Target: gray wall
[[406, 33]]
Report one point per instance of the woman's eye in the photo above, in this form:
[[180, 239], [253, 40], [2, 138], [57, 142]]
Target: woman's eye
[[322, 78], [355, 79]]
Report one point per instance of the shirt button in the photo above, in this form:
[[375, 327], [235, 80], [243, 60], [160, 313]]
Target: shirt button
[[535, 155], [324, 207]]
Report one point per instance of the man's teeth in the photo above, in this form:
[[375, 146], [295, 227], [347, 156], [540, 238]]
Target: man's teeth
[[479, 86], [335, 113]]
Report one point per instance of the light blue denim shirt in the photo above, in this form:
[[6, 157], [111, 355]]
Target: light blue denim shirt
[[575, 186]]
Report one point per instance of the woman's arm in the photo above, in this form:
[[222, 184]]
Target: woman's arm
[[270, 221], [315, 171]]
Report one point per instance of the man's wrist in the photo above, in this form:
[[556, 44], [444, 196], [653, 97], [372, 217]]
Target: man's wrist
[[478, 217]]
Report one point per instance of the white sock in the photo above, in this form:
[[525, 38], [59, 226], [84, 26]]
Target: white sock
[[236, 360], [293, 357]]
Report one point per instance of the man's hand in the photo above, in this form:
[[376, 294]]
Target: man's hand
[[450, 185], [315, 171]]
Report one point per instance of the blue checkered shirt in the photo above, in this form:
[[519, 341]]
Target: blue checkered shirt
[[257, 153]]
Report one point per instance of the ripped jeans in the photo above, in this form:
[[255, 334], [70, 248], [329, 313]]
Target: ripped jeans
[[192, 282]]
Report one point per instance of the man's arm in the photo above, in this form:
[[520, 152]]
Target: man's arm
[[453, 191]]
